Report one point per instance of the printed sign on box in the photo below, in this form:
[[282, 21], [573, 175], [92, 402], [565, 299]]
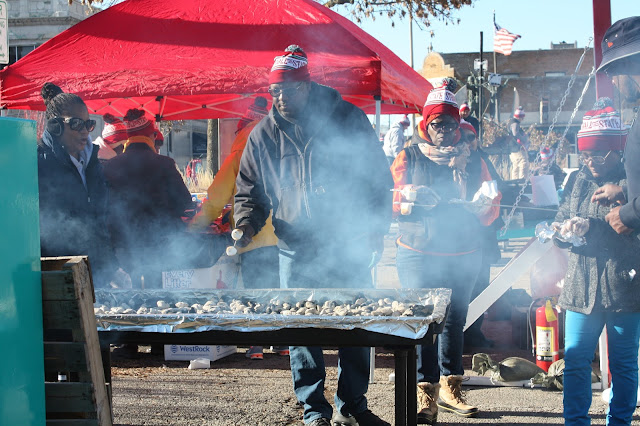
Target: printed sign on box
[[189, 352], [224, 274]]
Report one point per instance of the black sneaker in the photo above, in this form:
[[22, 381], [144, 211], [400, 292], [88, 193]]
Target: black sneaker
[[340, 420], [367, 418], [320, 422]]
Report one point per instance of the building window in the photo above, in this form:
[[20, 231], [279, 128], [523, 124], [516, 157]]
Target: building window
[[18, 52], [555, 74], [199, 145], [511, 75]]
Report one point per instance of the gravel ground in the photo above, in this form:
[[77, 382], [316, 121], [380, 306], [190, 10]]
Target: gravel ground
[[236, 391]]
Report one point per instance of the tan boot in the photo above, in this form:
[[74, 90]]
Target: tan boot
[[427, 403], [451, 398]]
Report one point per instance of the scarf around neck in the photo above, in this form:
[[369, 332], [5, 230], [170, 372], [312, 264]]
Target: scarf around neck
[[455, 157], [140, 139]]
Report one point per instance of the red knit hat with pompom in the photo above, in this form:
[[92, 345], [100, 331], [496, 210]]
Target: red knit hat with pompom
[[441, 101], [291, 66], [602, 128], [138, 124], [114, 130]]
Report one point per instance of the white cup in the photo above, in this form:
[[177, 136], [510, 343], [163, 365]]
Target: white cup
[[405, 208], [409, 193]]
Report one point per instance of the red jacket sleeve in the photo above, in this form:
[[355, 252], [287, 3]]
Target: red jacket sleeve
[[399, 173]]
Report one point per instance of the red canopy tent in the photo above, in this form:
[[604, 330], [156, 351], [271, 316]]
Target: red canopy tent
[[193, 59]]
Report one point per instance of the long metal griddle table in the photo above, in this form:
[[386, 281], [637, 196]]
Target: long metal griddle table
[[404, 350], [399, 334]]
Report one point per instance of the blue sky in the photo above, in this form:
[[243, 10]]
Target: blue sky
[[539, 22]]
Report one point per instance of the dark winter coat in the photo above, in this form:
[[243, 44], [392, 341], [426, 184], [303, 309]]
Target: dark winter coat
[[599, 274], [630, 212], [72, 217], [445, 228], [325, 177], [148, 197]]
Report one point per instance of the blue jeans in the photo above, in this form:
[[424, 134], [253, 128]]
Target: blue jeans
[[459, 273], [315, 268], [581, 337]]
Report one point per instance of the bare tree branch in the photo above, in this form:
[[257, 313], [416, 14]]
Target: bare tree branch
[[422, 11]]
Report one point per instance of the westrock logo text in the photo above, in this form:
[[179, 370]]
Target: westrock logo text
[[176, 348]]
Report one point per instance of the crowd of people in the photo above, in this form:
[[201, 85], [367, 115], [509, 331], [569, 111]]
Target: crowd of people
[[310, 186]]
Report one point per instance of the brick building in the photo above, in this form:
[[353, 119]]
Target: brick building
[[540, 78]]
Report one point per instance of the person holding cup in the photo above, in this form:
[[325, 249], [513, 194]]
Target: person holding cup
[[440, 242]]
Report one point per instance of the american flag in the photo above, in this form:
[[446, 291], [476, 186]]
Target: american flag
[[503, 40]]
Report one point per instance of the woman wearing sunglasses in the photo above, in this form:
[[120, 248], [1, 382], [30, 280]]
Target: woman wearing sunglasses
[[440, 242], [601, 287], [73, 192]]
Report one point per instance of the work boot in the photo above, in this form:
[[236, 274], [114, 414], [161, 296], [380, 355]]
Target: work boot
[[451, 398], [427, 403]]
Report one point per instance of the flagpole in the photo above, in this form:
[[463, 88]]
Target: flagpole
[[495, 71], [413, 116], [494, 50], [480, 95]]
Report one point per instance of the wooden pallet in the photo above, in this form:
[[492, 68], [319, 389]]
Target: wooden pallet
[[71, 346]]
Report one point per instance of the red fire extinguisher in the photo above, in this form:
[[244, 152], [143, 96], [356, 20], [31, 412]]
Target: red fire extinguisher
[[546, 336], [220, 283]]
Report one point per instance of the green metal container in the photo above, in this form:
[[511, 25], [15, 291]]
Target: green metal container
[[21, 347]]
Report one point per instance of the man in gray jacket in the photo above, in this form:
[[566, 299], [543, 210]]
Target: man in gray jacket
[[316, 162]]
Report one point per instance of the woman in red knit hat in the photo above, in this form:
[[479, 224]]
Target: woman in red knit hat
[[601, 287], [440, 242]]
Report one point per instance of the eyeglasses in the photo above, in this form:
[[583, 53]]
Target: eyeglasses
[[596, 159], [77, 123], [443, 127], [289, 91]]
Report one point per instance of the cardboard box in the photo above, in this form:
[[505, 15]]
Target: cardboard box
[[198, 197], [189, 352], [224, 274]]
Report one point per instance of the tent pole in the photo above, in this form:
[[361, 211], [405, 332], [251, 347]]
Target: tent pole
[[601, 22], [378, 110]]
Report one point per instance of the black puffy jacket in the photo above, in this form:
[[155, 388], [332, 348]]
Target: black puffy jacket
[[72, 217]]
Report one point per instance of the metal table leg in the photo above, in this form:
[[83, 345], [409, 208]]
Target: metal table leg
[[400, 357], [412, 384]]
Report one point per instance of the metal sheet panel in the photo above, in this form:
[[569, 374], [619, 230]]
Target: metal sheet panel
[[21, 356]]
